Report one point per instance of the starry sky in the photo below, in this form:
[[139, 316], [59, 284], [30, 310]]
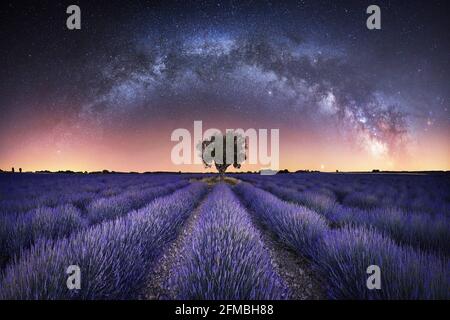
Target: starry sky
[[109, 95]]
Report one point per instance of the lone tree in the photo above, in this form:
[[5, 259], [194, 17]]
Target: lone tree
[[223, 150]]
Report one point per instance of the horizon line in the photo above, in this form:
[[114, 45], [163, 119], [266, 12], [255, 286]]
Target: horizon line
[[281, 171]]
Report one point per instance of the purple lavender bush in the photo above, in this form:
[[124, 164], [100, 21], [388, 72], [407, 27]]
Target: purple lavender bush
[[343, 255], [405, 273], [224, 258], [29, 191], [423, 231], [295, 225], [19, 232], [361, 200], [318, 202], [114, 257], [426, 232], [112, 207]]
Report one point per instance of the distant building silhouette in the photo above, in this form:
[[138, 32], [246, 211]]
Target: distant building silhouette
[[12, 170]]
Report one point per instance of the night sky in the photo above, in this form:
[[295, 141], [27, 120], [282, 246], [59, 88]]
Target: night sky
[[109, 95]]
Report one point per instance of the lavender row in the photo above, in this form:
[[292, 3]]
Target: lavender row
[[35, 185], [424, 194], [18, 232], [114, 257], [424, 231], [225, 258], [297, 226], [22, 193], [111, 207], [343, 255]]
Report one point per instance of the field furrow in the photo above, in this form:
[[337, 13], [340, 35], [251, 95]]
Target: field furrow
[[428, 233], [342, 256], [51, 191], [295, 270], [19, 232], [224, 258], [114, 257], [158, 287]]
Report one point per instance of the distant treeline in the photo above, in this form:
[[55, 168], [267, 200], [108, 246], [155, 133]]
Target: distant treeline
[[284, 171]]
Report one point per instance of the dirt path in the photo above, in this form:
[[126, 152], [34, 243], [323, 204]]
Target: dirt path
[[293, 269], [157, 288]]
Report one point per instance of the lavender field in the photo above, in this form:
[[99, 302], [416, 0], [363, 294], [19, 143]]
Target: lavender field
[[193, 236]]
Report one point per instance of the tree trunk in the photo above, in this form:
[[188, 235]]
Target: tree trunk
[[222, 168]]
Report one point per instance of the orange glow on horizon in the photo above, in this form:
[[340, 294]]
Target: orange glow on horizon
[[149, 150]]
